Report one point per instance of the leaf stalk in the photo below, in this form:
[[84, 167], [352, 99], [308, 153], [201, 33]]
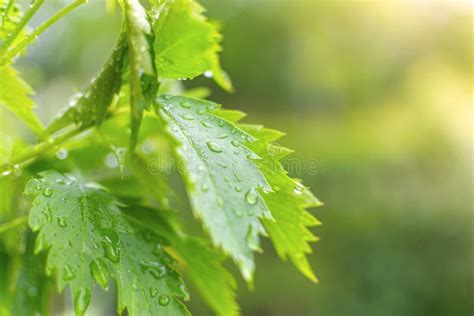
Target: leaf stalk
[[40, 29], [13, 223], [20, 26]]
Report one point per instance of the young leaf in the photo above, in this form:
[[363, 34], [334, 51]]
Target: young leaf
[[186, 45], [88, 238], [91, 107], [143, 81], [289, 230], [202, 264], [15, 96], [221, 177]]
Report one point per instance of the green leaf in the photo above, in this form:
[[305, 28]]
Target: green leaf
[[15, 96], [147, 285], [289, 229], [91, 107], [89, 239], [187, 45], [143, 81], [202, 264], [229, 165], [29, 289], [221, 177]]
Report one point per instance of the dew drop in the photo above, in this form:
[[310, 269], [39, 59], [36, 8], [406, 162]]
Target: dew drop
[[222, 136], [47, 192], [208, 74], [221, 123], [205, 187], [237, 188], [187, 117], [153, 292], [251, 197], [235, 143], [214, 147], [6, 172], [186, 104], [111, 161], [47, 213], [164, 300], [156, 269], [206, 124], [62, 154], [298, 190], [100, 273], [111, 252], [250, 212], [62, 221]]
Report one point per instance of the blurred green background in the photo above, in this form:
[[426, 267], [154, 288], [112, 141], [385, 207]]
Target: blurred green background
[[380, 94]]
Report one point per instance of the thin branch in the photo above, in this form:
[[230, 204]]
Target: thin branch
[[13, 223], [40, 29], [20, 26], [37, 151]]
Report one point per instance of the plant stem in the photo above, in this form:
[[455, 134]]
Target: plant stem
[[40, 29], [37, 150], [13, 223], [20, 26]]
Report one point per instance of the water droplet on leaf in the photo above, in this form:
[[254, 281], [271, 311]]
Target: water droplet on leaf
[[164, 300], [208, 74], [62, 221], [251, 197], [47, 192], [100, 272], [186, 104], [298, 190], [156, 269], [62, 154], [214, 147], [112, 252], [187, 117], [153, 292]]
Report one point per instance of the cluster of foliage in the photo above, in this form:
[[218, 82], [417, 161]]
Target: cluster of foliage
[[91, 224]]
